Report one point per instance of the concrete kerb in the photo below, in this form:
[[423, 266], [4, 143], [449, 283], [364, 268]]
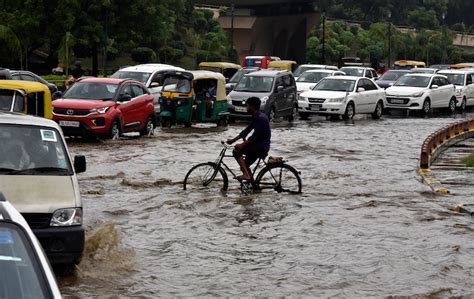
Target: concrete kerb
[[436, 144]]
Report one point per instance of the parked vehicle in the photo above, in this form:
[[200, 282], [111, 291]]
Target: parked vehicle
[[343, 96], [105, 107], [276, 89], [26, 97], [283, 65], [360, 71], [351, 61], [25, 270], [258, 61], [32, 77], [306, 67], [151, 75], [463, 81], [38, 177], [225, 68], [197, 96], [310, 78], [464, 65], [408, 64], [421, 92], [390, 77], [229, 86], [424, 70], [440, 66]]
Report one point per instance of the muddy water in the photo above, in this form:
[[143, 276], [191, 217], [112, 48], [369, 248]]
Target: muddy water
[[365, 226]]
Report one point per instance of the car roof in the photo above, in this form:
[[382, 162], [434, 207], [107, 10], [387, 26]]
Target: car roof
[[103, 80], [322, 71], [459, 71], [423, 75], [150, 68], [28, 86], [268, 73], [27, 120], [341, 77], [356, 67]]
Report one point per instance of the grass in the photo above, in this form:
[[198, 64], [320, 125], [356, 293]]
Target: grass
[[469, 160]]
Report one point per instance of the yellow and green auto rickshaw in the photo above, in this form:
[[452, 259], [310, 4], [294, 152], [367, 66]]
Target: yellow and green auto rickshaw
[[225, 68], [284, 65], [26, 97], [408, 64], [464, 65], [193, 96]]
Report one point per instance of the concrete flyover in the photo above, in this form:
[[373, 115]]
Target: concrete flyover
[[269, 27]]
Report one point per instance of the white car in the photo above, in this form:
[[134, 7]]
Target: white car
[[343, 96], [360, 71], [24, 268], [310, 78], [463, 81], [421, 92], [306, 67], [151, 75]]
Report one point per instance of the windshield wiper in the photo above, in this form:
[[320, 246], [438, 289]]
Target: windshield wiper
[[7, 170], [42, 170]]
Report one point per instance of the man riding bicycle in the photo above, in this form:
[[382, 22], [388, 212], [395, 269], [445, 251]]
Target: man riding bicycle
[[257, 145]]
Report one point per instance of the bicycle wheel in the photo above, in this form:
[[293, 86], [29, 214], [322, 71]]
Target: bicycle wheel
[[279, 177], [206, 176]]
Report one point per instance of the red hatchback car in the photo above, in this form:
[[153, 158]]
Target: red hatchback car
[[105, 107]]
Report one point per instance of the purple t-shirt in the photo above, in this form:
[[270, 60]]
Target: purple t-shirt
[[260, 125]]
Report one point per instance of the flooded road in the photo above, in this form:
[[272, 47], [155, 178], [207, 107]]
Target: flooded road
[[364, 226]]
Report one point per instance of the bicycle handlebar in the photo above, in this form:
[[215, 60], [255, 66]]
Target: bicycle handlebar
[[226, 146]]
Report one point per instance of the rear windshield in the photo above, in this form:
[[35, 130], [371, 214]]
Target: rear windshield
[[413, 81], [312, 77], [138, 76], [335, 85], [21, 275], [350, 71], [30, 150], [302, 69], [392, 76]]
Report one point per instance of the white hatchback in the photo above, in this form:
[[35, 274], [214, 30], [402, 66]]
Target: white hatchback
[[343, 96], [463, 81], [310, 78], [24, 268], [421, 92]]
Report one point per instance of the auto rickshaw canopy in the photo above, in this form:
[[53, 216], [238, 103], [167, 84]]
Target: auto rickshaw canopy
[[464, 65], [287, 65], [409, 63], [203, 75], [37, 96], [220, 65]]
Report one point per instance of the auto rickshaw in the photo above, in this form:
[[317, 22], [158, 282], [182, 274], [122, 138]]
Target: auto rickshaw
[[225, 68], [193, 96], [26, 97], [284, 65], [464, 65], [408, 64]]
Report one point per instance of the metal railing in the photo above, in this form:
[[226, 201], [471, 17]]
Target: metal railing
[[443, 138]]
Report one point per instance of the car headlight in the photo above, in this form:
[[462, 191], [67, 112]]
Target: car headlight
[[67, 217], [229, 99], [417, 95], [99, 110], [337, 100], [264, 100], [458, 92], [301, 98]]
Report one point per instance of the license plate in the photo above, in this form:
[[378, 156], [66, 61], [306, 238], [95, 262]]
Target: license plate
[[67, 123], [395, 101], [315, 107], [240, 109]]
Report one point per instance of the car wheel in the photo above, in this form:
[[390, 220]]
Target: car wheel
[[149, 129], [452, 105], [350, 111], [165, 122], [114, 132], [294, 114], [223, 122], [272, 114], [426, 107], [377, 114], [463, 104], [304, 116]]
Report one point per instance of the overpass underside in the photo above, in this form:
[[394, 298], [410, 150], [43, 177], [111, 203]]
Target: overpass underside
[[277, 35]]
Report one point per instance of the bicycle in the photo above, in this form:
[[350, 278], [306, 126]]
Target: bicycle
[[275, 174]]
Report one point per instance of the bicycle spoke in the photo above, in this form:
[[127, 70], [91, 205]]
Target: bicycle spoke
[[205, 177], [281, 178]]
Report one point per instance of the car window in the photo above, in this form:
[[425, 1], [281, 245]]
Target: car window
[[435, 81], [360, 84], [287, 81], [127, 89], [469, 79], [16, 77], [369, 85], [368, 74], [444, 81], [28, 77], [279, 82], [137, 91]]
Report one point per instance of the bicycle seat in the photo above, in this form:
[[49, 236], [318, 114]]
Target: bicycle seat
[[275, 160]]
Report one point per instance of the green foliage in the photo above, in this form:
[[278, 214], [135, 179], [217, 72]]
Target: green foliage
[[143, 55], [469, 160]]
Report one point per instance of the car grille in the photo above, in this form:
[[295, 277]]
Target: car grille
[[318, 101], [392, 100], [36, 220], [238, 103], [68, 111]]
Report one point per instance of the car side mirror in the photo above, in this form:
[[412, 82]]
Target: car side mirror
[[80, 164], [125, 98], [434, 86], [154, 85], [360, 89], [280, 88], [57, 95]]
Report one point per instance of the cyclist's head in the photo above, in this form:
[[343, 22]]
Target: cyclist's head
[[253, 104]]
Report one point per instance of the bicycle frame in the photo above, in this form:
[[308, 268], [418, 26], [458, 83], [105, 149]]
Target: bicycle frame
[[220, 162]]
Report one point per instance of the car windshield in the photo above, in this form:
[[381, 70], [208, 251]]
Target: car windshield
[[312, 77], [139, 76], [392, 76], [21, 275], [31, 150], [255, 84], [413, 81], [237, 76], [456, 79], [177, 84], [91, 91], [301, 69], [335, 85], [352, 71]]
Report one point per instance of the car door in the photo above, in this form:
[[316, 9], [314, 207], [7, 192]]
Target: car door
[[140, 96], [436, 94], [290, 91], [446, 92], [155, 86], [279, 97], [469, 89], [360, 97], [373, 95], [126, 108]]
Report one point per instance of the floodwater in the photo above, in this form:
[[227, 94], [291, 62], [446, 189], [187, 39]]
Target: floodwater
[[364, 227]]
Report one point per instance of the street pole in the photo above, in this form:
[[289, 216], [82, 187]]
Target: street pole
[[389, 62], [443, 60], [232, 7], [323, 54]]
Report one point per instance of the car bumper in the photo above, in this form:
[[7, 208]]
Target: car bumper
[[404, 103], [459, 99], [63, 245], [233, 113], [97, 124], [322, 109]]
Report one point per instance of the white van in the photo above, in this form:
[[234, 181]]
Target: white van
[[39, 179]]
